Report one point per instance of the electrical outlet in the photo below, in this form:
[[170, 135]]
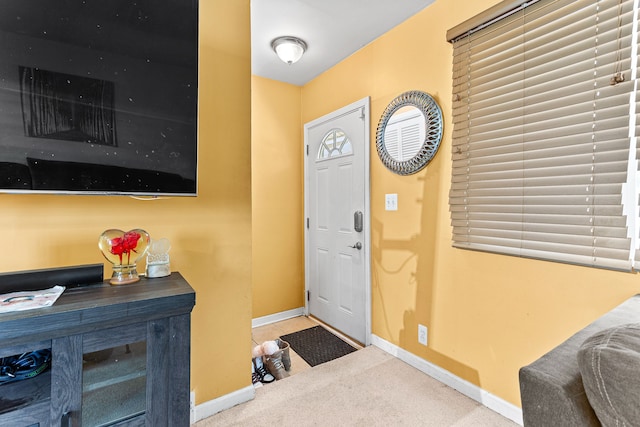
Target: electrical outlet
[[192, 407], [422, 334], [391, 202]]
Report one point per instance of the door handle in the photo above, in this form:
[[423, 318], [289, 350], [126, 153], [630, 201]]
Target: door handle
[[357, 221], [357, 246]]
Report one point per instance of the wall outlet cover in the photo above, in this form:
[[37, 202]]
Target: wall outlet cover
[[192, 407], [422, 334]]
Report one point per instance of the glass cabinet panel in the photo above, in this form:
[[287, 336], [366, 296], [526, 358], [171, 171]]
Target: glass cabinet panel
[[114, 384]]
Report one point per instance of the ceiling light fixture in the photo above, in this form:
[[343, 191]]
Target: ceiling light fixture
[[289, 49]]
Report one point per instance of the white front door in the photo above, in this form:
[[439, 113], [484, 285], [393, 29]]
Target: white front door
[[337, 220]]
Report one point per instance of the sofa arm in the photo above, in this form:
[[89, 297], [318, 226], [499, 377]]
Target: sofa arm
[[554, 398], [551, 389]]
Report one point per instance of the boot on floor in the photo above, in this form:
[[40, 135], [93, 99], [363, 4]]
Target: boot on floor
[[275, 365], [286, 357]]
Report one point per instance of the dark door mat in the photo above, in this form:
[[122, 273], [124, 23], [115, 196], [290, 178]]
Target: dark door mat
[[317, 345]]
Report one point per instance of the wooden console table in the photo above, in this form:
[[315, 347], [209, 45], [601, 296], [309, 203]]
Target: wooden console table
[[120, 356]]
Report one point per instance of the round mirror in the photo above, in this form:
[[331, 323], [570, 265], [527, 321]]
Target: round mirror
[[409, 132]]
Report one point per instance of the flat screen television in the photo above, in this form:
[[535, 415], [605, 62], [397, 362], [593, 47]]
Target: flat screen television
[[99, 96]]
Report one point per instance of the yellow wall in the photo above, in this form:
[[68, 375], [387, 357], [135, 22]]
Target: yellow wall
[[210, 234], [487, 315], [277, 191]]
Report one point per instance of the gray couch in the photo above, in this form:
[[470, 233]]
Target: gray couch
[[591, 379]]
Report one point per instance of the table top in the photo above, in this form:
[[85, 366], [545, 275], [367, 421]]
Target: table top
[[99, 306]]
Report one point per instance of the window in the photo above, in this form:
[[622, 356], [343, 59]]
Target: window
[[544, 139], [334, 144]]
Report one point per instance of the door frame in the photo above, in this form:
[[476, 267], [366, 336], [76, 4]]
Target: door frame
[[363, 104]]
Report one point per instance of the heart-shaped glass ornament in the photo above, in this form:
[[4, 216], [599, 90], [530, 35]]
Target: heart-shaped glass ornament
[[123, 249]]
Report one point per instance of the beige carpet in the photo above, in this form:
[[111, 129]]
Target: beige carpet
[[364, 388]]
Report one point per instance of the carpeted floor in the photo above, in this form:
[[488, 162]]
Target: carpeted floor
[[317, 345], [364, 388]]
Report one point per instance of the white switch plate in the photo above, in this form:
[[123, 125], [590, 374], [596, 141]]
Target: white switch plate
[[391, 202]]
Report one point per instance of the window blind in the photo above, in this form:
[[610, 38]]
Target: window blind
[[634, 185], [541, 138]]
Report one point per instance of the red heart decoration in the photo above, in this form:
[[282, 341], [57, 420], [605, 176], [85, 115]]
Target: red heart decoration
[[124, 248]]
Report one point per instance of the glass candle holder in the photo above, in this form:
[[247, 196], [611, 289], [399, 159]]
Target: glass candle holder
[[158, 258]]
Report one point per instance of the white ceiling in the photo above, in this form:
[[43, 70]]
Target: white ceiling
[[332, 29]]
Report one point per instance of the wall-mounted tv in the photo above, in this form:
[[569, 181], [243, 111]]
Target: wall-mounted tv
[[99, 96]]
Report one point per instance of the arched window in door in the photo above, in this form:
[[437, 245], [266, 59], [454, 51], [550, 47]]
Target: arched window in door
[[335, 143]]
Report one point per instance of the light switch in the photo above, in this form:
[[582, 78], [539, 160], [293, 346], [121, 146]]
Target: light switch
[[391, 202]]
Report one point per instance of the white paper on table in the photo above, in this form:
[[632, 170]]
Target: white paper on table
[[27, 300]]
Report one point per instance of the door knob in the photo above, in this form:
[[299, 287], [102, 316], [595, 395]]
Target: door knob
[[357, 246]]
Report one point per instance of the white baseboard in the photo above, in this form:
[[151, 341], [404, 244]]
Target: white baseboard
[[470, 390], [277, 317], [212, 407]]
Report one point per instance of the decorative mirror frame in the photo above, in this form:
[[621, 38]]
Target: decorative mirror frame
[[433, 135]]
